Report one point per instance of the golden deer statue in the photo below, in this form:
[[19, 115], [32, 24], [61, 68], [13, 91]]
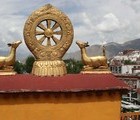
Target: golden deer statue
[[90, 63], [8, 61]]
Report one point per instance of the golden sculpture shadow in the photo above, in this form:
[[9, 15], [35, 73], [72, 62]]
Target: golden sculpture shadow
[[96, 64]]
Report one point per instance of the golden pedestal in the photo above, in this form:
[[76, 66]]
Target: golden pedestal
[[7, 72], [49, 68], [96, 71]]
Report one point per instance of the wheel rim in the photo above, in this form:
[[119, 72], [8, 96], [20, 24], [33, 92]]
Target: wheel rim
[[48, 33]]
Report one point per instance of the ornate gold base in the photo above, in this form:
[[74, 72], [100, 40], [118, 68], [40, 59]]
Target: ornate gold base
[[97, 71], [7, 73], [49, 68]]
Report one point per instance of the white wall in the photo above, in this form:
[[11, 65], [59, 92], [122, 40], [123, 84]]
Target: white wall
[[127, 69]]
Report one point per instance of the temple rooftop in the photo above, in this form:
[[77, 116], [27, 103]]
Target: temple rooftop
[[68, 83]]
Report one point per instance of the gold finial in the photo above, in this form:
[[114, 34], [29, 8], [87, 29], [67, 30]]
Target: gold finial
[[48, 34], [92, 64], [6, 63]]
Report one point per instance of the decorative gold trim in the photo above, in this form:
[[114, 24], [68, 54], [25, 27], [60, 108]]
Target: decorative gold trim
[[49, 68]]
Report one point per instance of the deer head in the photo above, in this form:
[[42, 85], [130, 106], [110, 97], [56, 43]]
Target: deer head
[[14, 44], [82, 44]]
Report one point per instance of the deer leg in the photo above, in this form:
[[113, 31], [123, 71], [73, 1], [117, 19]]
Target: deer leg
[[87, 68], [103, 67]]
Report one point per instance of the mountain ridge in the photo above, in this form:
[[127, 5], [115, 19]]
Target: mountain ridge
[[112, 49]]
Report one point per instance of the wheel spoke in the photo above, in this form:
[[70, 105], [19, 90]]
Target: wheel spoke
[[55, 26], [39, 32], [41, 40], [58, 32], [48, 23], [55, 40], [42, 26], [48, 42]]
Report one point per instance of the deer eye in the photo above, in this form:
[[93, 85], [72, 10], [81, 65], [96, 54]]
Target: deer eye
[[9, 44]]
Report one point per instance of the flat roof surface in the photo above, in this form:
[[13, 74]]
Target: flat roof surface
[[67, 83]]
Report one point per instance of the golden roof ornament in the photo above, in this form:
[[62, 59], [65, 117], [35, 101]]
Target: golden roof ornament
[[7, 62], [48, 34], [96, 64]]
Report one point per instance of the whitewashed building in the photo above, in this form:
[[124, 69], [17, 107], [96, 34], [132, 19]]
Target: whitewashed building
[[133, 82], [131, 55], [126, 62]]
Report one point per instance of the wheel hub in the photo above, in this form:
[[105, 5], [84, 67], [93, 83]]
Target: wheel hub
[[48, 32]]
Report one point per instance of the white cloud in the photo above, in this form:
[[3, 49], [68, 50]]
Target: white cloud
[[93, 20], [86, 20], [109, 24]]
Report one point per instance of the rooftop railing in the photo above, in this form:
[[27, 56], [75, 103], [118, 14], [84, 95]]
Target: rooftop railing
[[130, 116]]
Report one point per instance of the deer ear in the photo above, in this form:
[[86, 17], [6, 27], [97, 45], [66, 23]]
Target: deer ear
[[9, 44], [87, 44]]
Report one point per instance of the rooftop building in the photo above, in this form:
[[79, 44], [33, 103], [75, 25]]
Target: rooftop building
[[73, 96], [49, 93]]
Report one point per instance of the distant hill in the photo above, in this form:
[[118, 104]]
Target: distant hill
[[111, 49]]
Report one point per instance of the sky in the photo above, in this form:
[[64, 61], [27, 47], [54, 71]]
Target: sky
[[94, 21]]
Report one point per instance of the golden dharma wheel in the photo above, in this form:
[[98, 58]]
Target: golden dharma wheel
[[48, 33]]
